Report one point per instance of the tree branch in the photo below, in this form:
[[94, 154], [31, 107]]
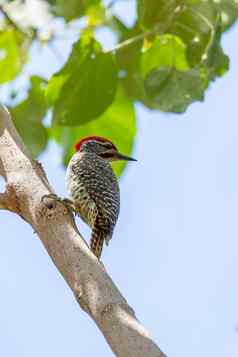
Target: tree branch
[[3, 201], [11, 21], [85, 275], [135, 39]]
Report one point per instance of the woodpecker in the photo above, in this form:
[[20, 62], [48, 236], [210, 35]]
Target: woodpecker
[[93, 187]]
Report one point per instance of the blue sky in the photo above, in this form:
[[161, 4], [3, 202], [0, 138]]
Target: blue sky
[[174, 254]]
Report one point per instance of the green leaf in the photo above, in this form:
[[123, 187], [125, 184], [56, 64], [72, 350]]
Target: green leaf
[[52, 91], [128, 62], [166, 51], [10, 55], [193, 21], [153, 12], [34, 136], [28, 116], [228, 10], [117, 124], [33, 108], [171, 90], [86, 85], [72, 9], [170, 85], [196, 26], [96, 15], [216, 62], [81, 50]]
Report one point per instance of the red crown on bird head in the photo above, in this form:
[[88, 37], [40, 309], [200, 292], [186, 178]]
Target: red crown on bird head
[[100, 139]]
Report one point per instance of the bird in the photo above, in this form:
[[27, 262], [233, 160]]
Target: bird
[[93, 188]]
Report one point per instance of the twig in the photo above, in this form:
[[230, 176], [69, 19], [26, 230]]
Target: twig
[[12, 22], [135, 39]]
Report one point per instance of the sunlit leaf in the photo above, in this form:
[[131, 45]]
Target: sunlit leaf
[[96, 15], [165, 51], [10, 55], [85, 87]]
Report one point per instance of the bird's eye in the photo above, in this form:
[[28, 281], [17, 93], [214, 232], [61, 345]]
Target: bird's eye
[[107, 145], [106, 155]]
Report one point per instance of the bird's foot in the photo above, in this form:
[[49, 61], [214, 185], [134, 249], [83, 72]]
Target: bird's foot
[[68, 204]]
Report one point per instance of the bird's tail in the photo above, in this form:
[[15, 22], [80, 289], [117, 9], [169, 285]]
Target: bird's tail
[[97, 240]]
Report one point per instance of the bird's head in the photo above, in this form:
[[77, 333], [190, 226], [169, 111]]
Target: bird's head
[[102, 147]]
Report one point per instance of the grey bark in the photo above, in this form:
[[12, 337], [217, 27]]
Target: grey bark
[[96, 293]]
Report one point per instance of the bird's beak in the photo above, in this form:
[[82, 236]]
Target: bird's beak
[[119, 156]]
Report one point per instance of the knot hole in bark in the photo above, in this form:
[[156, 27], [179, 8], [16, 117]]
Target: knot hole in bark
[[51, 206]]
